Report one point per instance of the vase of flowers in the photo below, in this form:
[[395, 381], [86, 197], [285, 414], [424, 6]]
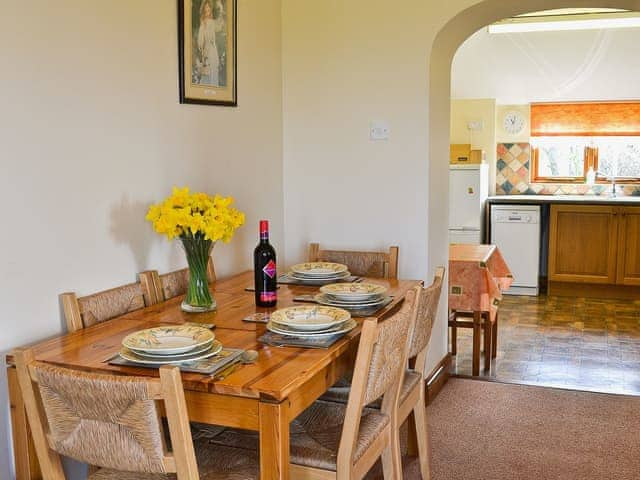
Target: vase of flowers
[[198, 220]]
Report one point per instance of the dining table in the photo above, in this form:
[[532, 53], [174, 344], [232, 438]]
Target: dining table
[[264, 396]]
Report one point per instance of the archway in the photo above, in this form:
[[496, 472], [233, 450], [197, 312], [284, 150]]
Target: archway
[[445, 45]]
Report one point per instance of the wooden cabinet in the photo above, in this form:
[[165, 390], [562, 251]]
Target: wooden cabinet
[[597, 244], [628, 271]]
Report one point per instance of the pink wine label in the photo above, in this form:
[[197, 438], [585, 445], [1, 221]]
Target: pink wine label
[[270, 269], [268, 296]]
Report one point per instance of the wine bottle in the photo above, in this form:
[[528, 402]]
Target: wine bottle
[[264, 268]]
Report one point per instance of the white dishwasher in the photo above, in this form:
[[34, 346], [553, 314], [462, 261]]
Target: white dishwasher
[[515, 230]]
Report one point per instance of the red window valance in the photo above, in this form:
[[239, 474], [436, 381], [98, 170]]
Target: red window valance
[[585, 119]]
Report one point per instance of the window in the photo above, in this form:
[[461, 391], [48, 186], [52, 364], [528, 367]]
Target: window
[[568, 139]]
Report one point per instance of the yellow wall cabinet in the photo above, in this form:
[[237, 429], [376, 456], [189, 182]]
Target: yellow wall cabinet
[[597, 244]]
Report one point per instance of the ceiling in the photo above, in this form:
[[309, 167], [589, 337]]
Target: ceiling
[[519, 68]]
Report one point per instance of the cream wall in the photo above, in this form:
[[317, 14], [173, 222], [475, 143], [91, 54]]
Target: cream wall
[[464, 111], [91, 132]]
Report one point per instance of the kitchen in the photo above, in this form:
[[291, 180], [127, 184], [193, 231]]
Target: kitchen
[[545, 163]]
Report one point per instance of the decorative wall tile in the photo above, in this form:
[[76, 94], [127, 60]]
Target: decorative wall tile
[[513, 176]]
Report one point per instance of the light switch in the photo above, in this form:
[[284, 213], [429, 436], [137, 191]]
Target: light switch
[[379, 130]]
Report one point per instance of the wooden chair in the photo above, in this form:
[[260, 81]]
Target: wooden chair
[[113, 424], [83, 312], [159, 288], [481, 323], [412, 393], [364, 264], [331, 440]]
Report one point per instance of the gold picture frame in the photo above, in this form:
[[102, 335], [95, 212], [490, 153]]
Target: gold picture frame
[[207, 51]]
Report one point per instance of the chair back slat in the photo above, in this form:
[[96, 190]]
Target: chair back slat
[[176, 283], [390, 349], [427, 308], [366, 264]]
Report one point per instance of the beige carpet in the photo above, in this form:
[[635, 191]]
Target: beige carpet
[[486, 431]]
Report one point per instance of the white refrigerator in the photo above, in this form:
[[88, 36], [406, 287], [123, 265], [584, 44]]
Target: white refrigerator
[[468, 191]]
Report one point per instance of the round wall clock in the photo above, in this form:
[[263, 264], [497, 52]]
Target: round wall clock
[[513, 122]]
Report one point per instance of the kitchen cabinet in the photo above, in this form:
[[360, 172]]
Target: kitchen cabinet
[[628, 268], [596, 244]]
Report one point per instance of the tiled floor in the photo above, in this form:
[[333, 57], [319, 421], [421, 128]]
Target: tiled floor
[[576, 343]]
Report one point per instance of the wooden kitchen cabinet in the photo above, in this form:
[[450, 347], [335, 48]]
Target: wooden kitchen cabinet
[[628, 268], [583, 243], [596, 244]]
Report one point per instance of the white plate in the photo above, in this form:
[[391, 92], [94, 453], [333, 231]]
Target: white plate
[[345, 327], [310, 318], [322, 299], [200, 349], [132, 356], [317, 278], [322, 269], [168, 340], [353, 291], [292, 330]]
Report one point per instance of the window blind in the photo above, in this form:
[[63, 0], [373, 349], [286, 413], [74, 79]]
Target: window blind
[[585, 119]]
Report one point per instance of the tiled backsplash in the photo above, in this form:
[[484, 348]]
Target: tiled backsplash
[[513, 177]]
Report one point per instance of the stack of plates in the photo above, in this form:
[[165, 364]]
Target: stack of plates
[[311, 321], [319, 272], [174, 344], [352, 295]]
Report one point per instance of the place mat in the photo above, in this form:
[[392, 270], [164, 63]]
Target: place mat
[[285, 279], [277, 340], [206, 366], [355, 312]]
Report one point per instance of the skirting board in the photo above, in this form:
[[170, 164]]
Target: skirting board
[[438, 378]]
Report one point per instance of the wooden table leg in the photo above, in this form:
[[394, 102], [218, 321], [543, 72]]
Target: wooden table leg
[[494, 339], [26, 462], [274, 441], [477, 320], [487, 342]]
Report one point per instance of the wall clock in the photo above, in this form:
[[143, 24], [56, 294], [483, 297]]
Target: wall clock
[[513, 123]]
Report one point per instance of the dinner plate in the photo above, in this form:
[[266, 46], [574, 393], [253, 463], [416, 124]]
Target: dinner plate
[[200, 349], [168, 340], [316, 278], [310, 317], [322, 299], [132, 356], [353, 291], [292, 329], [322, 269], [344, 327]]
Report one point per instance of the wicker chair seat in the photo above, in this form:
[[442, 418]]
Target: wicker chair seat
[[215, 462], [315, 435], [340, 391]]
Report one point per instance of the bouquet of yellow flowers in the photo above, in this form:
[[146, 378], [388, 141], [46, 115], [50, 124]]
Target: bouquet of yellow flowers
[[199, 220], [187, 214]]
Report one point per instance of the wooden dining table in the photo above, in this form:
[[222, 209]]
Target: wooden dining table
[[265, 396]]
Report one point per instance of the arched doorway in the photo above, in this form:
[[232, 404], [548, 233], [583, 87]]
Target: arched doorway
[[445, 45]]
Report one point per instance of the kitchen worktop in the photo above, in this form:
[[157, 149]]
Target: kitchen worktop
[[582, 199]]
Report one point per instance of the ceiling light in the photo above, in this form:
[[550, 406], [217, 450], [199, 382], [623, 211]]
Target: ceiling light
[[566, 22]]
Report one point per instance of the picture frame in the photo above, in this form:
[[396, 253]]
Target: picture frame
[[207, 52]]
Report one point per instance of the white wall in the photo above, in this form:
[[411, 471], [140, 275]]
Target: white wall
[[91, 132], [549, 66]]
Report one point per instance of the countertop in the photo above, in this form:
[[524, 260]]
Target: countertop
[[582, 199]]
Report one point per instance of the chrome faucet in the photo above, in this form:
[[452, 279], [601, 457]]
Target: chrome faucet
[[612, 179]]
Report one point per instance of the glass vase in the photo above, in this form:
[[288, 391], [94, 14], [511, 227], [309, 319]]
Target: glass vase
[[198, 297]]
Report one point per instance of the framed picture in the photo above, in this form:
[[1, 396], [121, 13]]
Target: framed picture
[[207, 32]]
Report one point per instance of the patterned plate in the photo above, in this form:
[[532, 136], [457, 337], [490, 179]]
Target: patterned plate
[[317, 278], [324, 299], [168, 340], [353, 291], [322, 269], [283, 330], [310, 318], [200, 349], [132, 356]]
